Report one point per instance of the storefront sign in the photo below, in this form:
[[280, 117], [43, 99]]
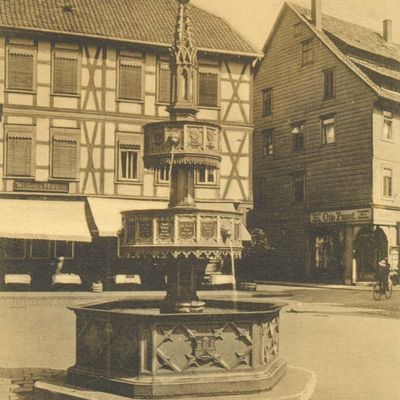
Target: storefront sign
[[329, 217], [186, 230], [32, 186]]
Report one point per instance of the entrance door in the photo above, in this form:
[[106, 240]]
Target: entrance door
[[328, 255], [371, 245]]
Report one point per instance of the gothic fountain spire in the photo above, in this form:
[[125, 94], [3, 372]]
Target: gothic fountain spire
[[183, 67]]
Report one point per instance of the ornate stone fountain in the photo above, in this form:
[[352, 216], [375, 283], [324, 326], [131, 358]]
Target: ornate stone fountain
[[180, 346]]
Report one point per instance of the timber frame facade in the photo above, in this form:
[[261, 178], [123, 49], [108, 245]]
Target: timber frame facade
[[101, 132], [326, 177]]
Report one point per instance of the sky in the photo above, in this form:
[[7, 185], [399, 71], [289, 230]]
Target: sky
[[254, 18]]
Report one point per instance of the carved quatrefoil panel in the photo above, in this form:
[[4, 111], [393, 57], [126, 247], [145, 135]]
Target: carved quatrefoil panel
[[270, 331]]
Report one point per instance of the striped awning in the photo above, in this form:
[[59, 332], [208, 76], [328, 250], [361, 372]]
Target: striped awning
[[44, 220]]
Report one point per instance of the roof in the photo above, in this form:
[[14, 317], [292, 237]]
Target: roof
[[362, 49], [138, 21]]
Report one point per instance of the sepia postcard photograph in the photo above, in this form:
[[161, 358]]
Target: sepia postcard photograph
[[199, 199]]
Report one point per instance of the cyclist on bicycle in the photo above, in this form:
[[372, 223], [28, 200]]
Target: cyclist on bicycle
[[382, 274]]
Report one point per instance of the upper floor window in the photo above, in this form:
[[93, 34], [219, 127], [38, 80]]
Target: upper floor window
[[329, 83], [208, 88], [164, 82], [163, 174], [65, 72], [307, 52], [298, 29], [20, 69], [267, 102], [130, 79], [298, 136], [207, 176], [64, 156], [387, 182], [19, 154], [298, 187], [328, 130], [129, 158], [387, 132], [268, 142]]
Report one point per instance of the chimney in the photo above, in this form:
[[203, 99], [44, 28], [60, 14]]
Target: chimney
[[387, 30], [316, 14]]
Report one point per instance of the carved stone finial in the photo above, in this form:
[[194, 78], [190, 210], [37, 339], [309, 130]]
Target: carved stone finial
[[183, 66]]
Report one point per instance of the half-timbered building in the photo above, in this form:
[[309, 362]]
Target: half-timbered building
[[78, 80], [326, 170]]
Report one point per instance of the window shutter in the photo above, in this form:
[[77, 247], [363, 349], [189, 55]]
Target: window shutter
[[19, 156], [164, 85], [20, 71], [64, 158], [208, 89], [130, 81], [65, 74]]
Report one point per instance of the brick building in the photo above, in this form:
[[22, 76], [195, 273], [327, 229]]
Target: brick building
[[326, 170], [78, 80]]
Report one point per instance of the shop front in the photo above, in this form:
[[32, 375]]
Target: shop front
[[340, 250], [34, 233]]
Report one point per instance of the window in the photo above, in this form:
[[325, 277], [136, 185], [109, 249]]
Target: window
[[298, 187], [128, 158], [328, 130], [65, 72], [267, 102], [208, 89], [298, 29], [40, 249], [387, 182], [164, 82], [64, 157], [130, 79], [15, 249], [19, 154], [298, 136], [163, 174], [268, 142], [307, 52], [387, 132], [20, 69], [329, 83], [206, 176], [64, 249]]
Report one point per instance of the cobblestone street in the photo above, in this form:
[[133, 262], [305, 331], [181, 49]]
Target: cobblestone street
[[341, 335]]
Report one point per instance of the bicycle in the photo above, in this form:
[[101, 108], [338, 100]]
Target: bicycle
[[379, 290]]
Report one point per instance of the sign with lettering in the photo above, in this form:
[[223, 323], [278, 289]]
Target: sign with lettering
[[341, 216], [186, 229], [164, 228], [145, 229], [208, 229], [32, 186]]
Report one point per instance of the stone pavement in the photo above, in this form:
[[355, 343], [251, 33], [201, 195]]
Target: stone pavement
[[355, 356]]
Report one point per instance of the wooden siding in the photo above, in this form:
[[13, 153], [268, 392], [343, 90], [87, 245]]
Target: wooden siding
[[337, 175], [99, 115]]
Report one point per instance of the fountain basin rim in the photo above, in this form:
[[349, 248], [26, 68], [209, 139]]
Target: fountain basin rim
[[182, 210], [234, 309]]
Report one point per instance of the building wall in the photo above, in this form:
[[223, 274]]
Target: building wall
[[338, 175], [98, 116]]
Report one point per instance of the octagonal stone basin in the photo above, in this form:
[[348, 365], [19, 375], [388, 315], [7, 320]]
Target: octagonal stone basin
[[131, 349]]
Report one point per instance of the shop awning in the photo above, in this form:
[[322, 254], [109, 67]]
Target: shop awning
[[44, 220], [107, 212]]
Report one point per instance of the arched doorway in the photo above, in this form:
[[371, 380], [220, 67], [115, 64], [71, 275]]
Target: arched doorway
[[370, 245]]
